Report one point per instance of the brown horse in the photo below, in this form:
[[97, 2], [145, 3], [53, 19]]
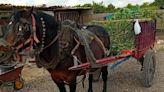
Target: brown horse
[[33, 29]]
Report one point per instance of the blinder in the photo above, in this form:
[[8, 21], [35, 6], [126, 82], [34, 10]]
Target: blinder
[[23, 30]]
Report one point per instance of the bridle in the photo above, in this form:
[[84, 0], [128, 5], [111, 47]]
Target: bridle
[[30, 40], [33, 38]]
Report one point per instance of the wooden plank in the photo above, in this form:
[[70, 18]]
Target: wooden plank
[[129, 20], [102, 61]]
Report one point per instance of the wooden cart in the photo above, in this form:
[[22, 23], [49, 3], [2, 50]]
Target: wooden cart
[[143, 52]]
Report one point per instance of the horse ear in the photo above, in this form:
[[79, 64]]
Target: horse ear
[[31, 10], [28, 12], [14, 10]]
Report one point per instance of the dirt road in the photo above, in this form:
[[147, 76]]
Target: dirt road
[[126, 78]]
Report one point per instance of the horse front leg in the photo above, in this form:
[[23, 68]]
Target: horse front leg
[[61, 87], [72, 86], [105, 78], [90, 89]]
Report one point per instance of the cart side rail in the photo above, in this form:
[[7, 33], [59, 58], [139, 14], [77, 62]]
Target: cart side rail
[[145, 39]]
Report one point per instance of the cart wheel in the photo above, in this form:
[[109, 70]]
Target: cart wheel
[[18, 84], [149, 65]]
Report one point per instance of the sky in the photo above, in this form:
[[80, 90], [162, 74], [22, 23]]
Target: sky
[[117, 3]]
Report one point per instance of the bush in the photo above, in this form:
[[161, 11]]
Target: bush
[[121, 35]]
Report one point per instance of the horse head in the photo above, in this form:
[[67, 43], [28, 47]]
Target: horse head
[[32, 29], [18, 31], [19, 27]]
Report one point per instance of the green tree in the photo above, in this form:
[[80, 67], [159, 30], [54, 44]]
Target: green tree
[[110, 8], [98, 7], [87, 5], [145, 5], [129, 6], [78, 5], [153, 4], [160, 3]]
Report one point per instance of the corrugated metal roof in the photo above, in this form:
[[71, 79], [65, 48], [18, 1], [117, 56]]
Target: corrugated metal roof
[[72, 8]]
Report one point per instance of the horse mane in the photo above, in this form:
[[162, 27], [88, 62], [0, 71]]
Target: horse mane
[[51, 25], [52, 28]]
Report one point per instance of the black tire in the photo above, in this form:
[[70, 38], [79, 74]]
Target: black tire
[[149, 66], [19, 82]]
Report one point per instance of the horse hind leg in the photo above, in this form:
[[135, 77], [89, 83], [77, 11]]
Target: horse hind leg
[[90, 89], [104, 77]]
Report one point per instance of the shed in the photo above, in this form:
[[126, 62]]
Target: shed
[[80, 15]]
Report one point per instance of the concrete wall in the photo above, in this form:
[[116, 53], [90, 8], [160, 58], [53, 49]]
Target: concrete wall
[[160, 21], [99, 17]]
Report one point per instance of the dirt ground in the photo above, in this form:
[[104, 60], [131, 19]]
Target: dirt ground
[[125, 78]]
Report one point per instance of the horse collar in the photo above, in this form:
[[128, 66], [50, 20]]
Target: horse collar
[[44, 32]]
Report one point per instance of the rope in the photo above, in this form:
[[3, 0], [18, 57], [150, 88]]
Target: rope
[[55, 39]]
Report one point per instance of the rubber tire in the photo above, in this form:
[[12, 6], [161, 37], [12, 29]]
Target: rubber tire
[[20, 80], [149, 66]]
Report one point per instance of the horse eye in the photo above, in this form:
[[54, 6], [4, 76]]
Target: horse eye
[[10, 23], [20, 28]]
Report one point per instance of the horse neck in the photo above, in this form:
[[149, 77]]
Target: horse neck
[[51, 30]]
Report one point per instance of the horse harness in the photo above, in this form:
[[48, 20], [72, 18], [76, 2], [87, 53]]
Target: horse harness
[[84, 38], [79, 40]]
